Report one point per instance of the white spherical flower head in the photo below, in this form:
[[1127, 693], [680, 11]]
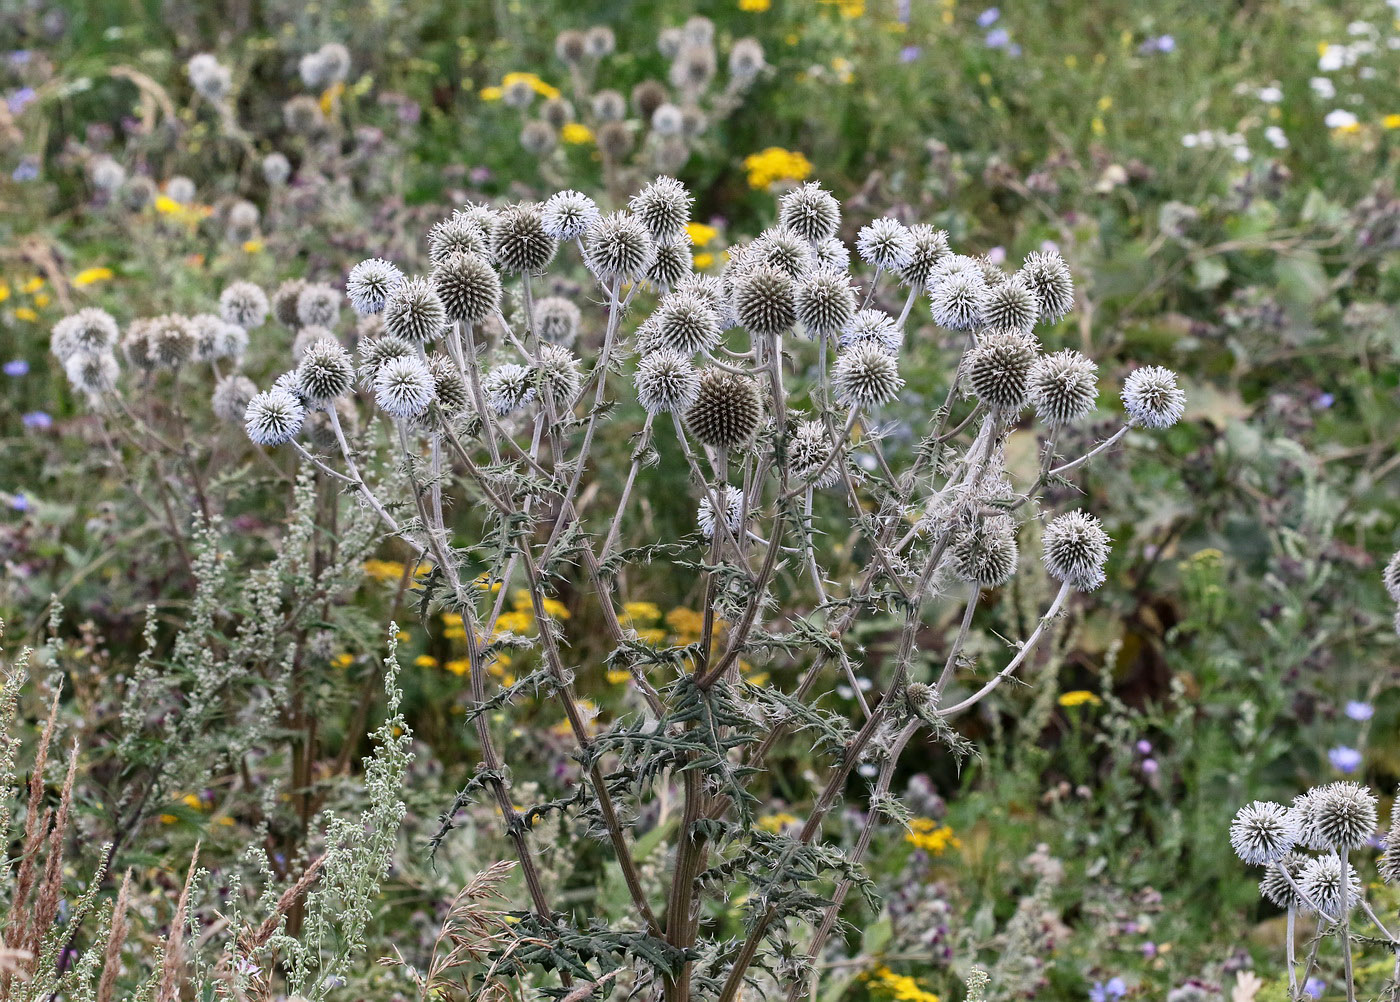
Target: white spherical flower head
[[956, 299], [370, 284], [558, 376], [810, 211], [930, 247], [1010, 305], [95, 373], [557, 320], [1046, 273], [403, 387], [765, 300], [733, 500], [865, 375], [1063, 387], [685, 323], [619, 248], [824, 302], [1344, 815], [461, 233], [809, 451], [999, 369], [508, 388], [832, 253], [1264, 832], [415, 312], [873, 327], [519, 243], [1282, 889], [986, 553], [666, 382], [1152, 398], [1076, 550], [90, 331], [273, 417], [244, 304], [210, 79], [663, 206], [568, 215], [672, 263], [1391, 577], [886, 244], [318, 305], [231, 397], [325, 372], [1321, 884], [468, 287]]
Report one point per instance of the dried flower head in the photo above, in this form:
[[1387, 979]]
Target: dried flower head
[[171, 340], [666, 382], [609, 106], [885, 244], [90, 330], [414, 312], [403, 387], [663, 207], [1263, 832], [369, 284], [570, 47], [468, 287], [765, 300], [568, 215], [726, 411], [210, 78], [824, 302], [873, 327], [1076, 550], [865, 375], [1152, 398], [95, 373], [273, 417], [745, 60], [244, 304], [284, 302], [508, 388], [1063, 387], [999, 368]]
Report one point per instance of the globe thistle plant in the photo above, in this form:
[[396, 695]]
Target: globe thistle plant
[[865, 376], [273, 418], [1264, 832], [1076, 550], [726, 411], [244, 304], [666, 382], [810, 211], [568, 215], [415, 312], [886, 244], [403, 387], [370, 283], [1152, 398]]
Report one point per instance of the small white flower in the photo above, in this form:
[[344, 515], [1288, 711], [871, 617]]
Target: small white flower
[[1339, 118]]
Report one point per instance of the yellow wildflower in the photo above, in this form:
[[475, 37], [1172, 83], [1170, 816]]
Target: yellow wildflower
[[42, 300], [1391, 122], [331, 95], [1105, 102], [32, 286], [576, 133], [536, 84], [776, 164], [845, 71], [192, 801], [384, 570], [4, 291], [687, 623], [25, 313], [700, 234], [931, 837], [755, 6], [455, 633], [777, 822], [459, 666], [342, 660], [492, 93], [554, 609], [1078, 698], [452, 619], [425, 661], [252, 246], [641, 610], [900, 986], [703, 260], [1096, 126], [617, 676], [168, 819], [90, 275], [654, 637], [514, 622]]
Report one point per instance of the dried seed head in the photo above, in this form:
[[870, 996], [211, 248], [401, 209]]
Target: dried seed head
[[324, 372], [824, 302], [520, 243], [369, 284], [89, 330], [570, 47], [244, 304], [733, 500], [666, 382], [211, 337], [1010, 305], [1277, 888], [276, 168], [810, 211], [956, 299], [647, 96], [557, 320], [95, 373], [614, 140], [459, 233], [663, 206], [930, 247], [375, 351], [765, 300], [305, 338], [672, 263], [1321, 884], [180, 189], [1049, 278], [1263, 832], [568, 215], [231, 396], [886, 244], [136, 345], [557, 112], [694, 66], [1076, 550], [273, 418], [745, 60], [985, 552], [619, 248], [404, 387], [866, 376], [684, 323], [600, 41], [1391, 577], [414, 312], [1063, 387], [808, 451], [243, 219], [726, 411], [284, 302], [999, 368], [171, 338], [669, 42], [1152, 398], [508, 388], [518, 94], [138, 192], [467, 285], [303, 116], [873, 327], [668, 120]]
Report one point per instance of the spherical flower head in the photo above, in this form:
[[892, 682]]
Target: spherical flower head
[[95, 373], [138, 192], [568, 215], [468, 287], [557, 112], [808, 452], [782, 249], [745, 60], [557, 320], [865, 375], [1010, 305], [459, 233], [669, 42], [1047, 275], [765, 300], [956, 299], [276, 168], [180, 189], [668, 120], [1321, 884], [415, 312], [831, 253], [672, 263], [1076, 550], [324, 372], [733, 501], [451, 395], [231, 396], [1152, 398], [318, 305], [930, 247], [508, 388], [1389, 864], [694, 66], [619, 248], [886, 244], [1063, 387], [1277, 888], [1343, 815], [244, 304], [520, 244], [985, 553], [1391, 577], [274, 417], [599, 41], [726, 411], [404, 387], [172, 340], [1264, 832], [558, 375], [873, 327], [210, 79], [518, 94], [233, 342], [305, 338], [136, 345], [90, 330], [303, 116], [210, 336], [999, 368], [284, 302], [243, 217], [375, 351], [538, 138], [107, 175], [369, 284], [824, 302], [666, 382], [663, 207], [711, 289], [609, 106], [570, 47], [810, 211], [685, 323], [1304, 808]]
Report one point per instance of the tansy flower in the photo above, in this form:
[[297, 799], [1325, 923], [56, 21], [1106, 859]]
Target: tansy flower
[[1391, 122], [641, 610], [703, 261], [576, 133], [617, 676], [1078, 698], [492, 93], [25, 313], [32, 286], [700, 234], [252, 246], [775, 164], [331, 95], [536, 84], [425, 661], [931, 837], [459, 666], [88, 276]]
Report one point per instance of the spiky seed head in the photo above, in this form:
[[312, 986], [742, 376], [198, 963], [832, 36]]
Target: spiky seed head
[[451, 395], [1010, 305], [1263, 832], [558, 375], [244, 304], [886, 244], [614, 140], [370, 283], [1152, 398], [325, 372], [172, 340], [609, 106], [1076, 550], [459, 233], [538, 138], [94, 373], [999, 368], [726, 411], [824, 302], [180, 189], [666, 382], [669, 41], [243, 217], [745, 60], [138, 192], [276, 168], [668, 120], [956, 299], [992, 272], [1049, 278], [1391, 577], [508, 388], [305, 338], [303, 116], [568, 215], [647, 96], [694, 66], [1304, 809], [810, 211], [673, 262], [710, 288], [233, 342], [1064, 387], [404, 387], [808, 451], [415, 312], [1344, 815], [985, 553], [318, 305], [520, 244], [90, 330], [866, 376], [733, 501], [600, 41], [570, 47], [1321, 884], [1277, 888], [375, 351], [619, 248], [273, 417], [137, 347], [557, 112], [1389, 864], [284, 302], [209, 337], [873, 327], [832, 253], [765, 300], [930, 246], [685, 323], [231, 395], [663, 206], [557, 320], [467, 285], [782, 249]]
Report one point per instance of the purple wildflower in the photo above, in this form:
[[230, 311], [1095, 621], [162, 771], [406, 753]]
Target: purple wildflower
[[37, 419], [1344, 759], [16, 367], [1357, 710], [988, 17]]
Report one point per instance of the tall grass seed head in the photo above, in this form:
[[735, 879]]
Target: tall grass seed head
[[666, 382], [568, 215], [1063, 387], [998, 369], [727, 410], [1152, 398], [1076, 550], [1264, 832], [663, 206], [619, 248], [810, 211], [415, 312], [467, 286], [273, 417], [369, 284], [865, 375], [824, 302], [764, 300], [873, 327], [244, 304], [403, 387], [885, 243]]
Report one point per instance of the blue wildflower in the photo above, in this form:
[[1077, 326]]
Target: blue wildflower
[[16, 367], [37, 419], [1357, 710], [1344, 759], [988, 17]]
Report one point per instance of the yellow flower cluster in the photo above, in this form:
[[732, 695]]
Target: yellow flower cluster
[[755, 6], [777, 822], [776, 164], [190, 215], [931, 837], [1078, 698], [899, 986], [91, 276], [32, 287], [576, 134], [541, 88], [392, 570]]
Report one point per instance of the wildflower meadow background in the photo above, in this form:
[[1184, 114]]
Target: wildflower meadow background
[[504, 499]]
